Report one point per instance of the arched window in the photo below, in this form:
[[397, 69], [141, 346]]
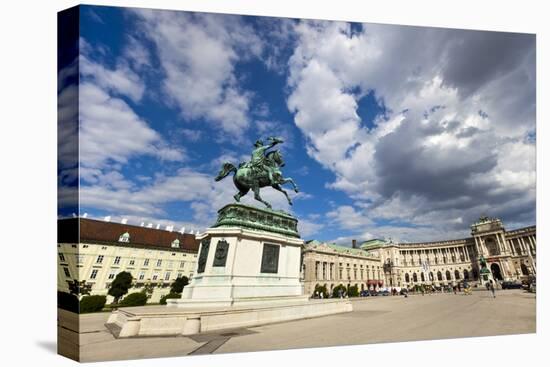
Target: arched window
[[422, 277], [448, 275], [415, 278], [439, 276], [474, 274], [524, 269], [466, 275], [431, 276], [457, 275], [407, 278]]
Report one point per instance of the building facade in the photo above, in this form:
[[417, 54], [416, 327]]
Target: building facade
[[331, 265], [510, 255], [100, 250]]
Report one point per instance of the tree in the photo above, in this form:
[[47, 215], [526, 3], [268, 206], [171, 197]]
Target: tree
[[321, 289], [353, 291], [336, 290], [79, 288], [121, 284], [179, 283]]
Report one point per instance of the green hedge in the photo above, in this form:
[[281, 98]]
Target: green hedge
[[134, 299], [92, 303], [67, 301], [169, 295]]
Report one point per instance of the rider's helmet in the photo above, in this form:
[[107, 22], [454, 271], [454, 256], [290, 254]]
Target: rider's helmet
[[258, 143]]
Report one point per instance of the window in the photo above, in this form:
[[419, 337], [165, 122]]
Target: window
[[155, 276], [112, 274], [180, 275], [159, 262], [99, 259], [85, 246], [167, 276], [67, 273], [104, 247], [146, 262], [93, 275], [80, 259], [62, 257], [170, 264], [141, 275], [117, 260], [182, 264], [176, 243], [132, 262]]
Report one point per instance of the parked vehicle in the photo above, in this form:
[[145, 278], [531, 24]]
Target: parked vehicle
[[511, 285], [385, 292]]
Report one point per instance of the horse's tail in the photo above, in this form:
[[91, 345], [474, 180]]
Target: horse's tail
[[227, 168]]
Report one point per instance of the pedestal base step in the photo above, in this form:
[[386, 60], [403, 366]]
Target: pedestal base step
[[172, 321]]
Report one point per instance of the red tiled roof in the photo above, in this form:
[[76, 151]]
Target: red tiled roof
[[109, 232]]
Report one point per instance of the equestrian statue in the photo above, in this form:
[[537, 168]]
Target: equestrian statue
[[263, 170]]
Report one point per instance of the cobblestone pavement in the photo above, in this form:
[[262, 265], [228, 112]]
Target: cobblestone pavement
[[373, 320]]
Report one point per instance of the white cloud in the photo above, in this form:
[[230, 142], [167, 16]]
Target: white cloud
[[110, 131], [198, 54], [121, 81], [434, 156]]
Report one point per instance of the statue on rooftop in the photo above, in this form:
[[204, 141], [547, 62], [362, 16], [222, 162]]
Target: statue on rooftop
[[263, 169]]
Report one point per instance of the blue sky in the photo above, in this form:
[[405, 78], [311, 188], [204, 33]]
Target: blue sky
[[389, 131]]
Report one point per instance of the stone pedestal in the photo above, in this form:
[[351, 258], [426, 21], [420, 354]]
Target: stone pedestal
[[250, 256], [247, 274]]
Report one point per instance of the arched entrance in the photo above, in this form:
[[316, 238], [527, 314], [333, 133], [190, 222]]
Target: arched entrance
[[524, 270], [466, 275], [407, 278], [422, 277], [415, 278], [457, 275], [448, 275], [495, 269]]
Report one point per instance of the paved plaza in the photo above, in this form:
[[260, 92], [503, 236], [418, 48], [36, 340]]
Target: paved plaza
[[374, 320]]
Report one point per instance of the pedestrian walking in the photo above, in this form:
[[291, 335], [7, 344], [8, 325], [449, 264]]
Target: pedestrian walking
[[492, 288]]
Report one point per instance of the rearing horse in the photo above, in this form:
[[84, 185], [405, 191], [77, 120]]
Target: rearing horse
[[246, 178]]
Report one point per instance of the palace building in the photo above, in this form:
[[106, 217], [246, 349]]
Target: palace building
[[96, 251], [331, 265], [510, 255]]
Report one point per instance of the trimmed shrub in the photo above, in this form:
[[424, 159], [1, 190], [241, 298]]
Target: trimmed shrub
[[169, 295], [353, 291], [179, 284], [120, 285], [67, 301], [336, 289], [321, 289], [134, 299], [92, 303]]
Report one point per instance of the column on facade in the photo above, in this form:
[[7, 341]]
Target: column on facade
[[530, 254], [505, 243], [501, 247], [511, 246]]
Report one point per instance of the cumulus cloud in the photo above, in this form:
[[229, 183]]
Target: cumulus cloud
[[198, 54], [451, 142]]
